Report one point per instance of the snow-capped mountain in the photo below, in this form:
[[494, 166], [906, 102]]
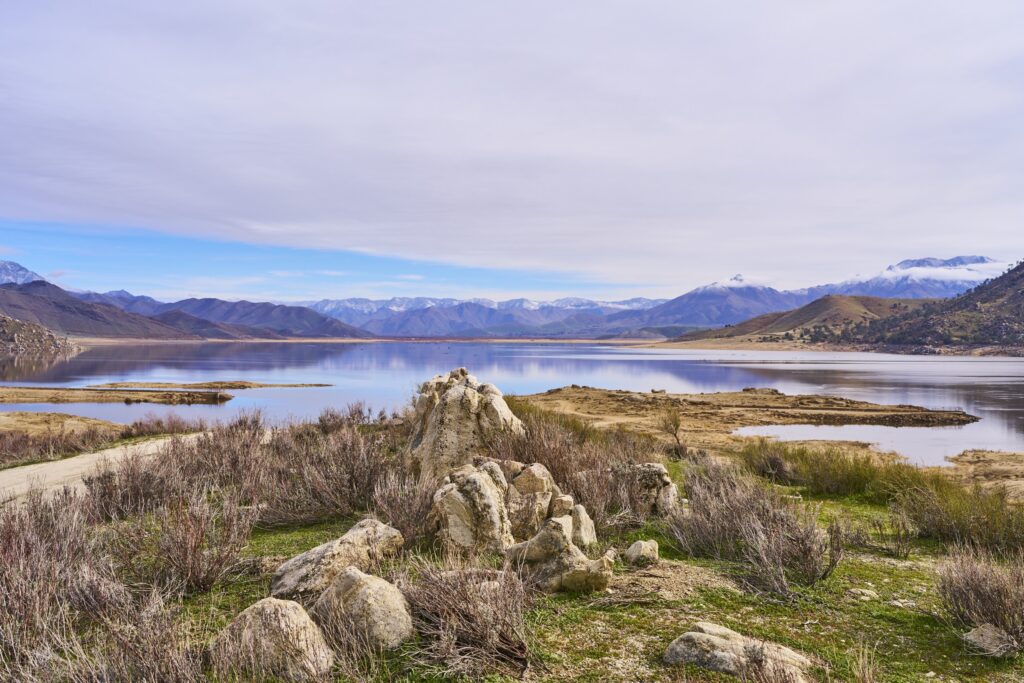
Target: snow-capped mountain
[[921, 278], [364, 311], [15, 273]]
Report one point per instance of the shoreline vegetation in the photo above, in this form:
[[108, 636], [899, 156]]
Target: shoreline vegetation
[[219, 386], [93, 395], [870, 568]]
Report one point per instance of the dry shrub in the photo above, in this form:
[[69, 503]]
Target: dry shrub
[[897, 534], [471, 622], [863, 666], [949, 512], [187, 546], [977, 588], [292, 474], [732, 516], [404, 501], [64, 613]]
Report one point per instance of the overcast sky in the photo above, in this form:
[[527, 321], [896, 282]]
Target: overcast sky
[[605, 148]]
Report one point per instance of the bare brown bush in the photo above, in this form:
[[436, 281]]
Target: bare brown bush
[[404, 501], [732, 516], [471, 622], [186, 546], [896, 534], [978, 588], [66, 616]]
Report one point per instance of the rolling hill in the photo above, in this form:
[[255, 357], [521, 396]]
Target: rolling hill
[[822, 318], [50, 306], [991, 314], [287, 321], [210, 330]]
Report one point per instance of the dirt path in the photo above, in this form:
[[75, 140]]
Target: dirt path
[[51, 476]]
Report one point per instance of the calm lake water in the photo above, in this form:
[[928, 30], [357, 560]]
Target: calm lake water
[[385, 375]]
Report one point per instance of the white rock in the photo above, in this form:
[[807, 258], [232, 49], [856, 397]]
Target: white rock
[[583, 533], [561, 505], [992, 641], [271, 639], [306, 576], [454, 413], [375, 608], [658, 493], [470, 509], [717, 648], [642, 554], [552, 562]]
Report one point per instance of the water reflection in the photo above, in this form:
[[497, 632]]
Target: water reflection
[[386, 374]]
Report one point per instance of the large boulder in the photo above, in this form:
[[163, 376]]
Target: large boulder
[[658, 495], [552, 563], [306, 576], [372, 607], [717, 648], [470, 509], [454, 413], [271, 639]]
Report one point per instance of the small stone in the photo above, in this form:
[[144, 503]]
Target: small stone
[[583, 532], [992, 641], [642, 554], [864, 594], [561, 505]]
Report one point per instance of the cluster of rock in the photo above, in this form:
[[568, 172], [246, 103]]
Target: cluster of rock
[[481, 506], [19, 338], [490, 505], [278, 638]]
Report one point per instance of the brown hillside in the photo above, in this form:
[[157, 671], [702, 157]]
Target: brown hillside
[[831, 314]]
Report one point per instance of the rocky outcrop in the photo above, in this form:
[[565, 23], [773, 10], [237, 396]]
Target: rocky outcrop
[[552, 562], [454, 413], [271, 639], [641, 554], [306, 576], [372, 607], [717, 648], [657, 494], [19, 338], [470, 509]]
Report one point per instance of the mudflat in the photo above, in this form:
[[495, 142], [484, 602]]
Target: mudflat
[[92, 395], [218, 386], [709, 420]]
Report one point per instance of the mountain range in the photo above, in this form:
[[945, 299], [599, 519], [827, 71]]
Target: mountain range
[[121, 313]]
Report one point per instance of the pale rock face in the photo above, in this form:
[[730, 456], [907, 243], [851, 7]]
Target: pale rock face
[[374, 607], [658, 493], [552, 562], [271, 639], [470, 509], [306, 576], [717, 648], [642, 554], [454, 413], [583, 533]]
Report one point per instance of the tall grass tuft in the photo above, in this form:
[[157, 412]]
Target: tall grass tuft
[[977, 588]]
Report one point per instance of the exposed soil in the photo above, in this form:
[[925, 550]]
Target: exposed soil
[[40, 423], [708, 420], [992, 468], [68, 395], [219, 386]]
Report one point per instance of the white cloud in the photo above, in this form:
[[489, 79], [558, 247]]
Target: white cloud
[[410, 276], [667, 143]]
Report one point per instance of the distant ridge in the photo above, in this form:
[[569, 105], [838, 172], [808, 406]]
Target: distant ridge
[[12, 273], [50, 306]]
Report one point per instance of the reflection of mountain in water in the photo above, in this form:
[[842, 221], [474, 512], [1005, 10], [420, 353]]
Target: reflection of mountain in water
[[13, 368]]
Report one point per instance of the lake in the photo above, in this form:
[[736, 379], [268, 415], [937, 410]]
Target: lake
[[385, 375]]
